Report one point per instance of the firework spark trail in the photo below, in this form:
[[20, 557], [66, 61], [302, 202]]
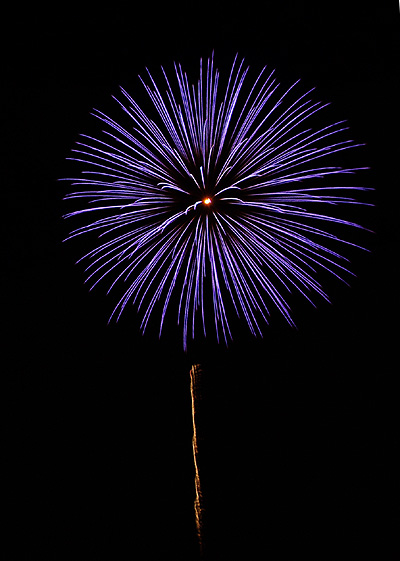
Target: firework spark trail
[[207, 200], [195, 373]]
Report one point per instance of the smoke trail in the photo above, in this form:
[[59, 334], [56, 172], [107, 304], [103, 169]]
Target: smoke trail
[[195, 373]]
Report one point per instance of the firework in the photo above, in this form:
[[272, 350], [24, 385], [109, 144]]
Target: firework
[[214, 203]]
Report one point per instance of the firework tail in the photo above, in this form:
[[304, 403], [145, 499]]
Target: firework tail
[[195, 376]]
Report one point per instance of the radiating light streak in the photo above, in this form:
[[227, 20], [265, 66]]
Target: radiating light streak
[[217, 196]]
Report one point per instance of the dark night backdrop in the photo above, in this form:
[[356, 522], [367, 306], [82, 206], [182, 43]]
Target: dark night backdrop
[[300, 454]]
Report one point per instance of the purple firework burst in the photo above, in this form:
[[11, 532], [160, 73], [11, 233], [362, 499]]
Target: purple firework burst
[[215, 201]]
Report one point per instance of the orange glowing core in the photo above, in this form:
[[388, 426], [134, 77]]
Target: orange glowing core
[[207, 201]]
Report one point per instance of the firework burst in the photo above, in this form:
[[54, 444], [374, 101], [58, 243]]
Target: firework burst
[[216, 201]]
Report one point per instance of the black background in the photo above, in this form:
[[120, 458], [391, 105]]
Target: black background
[[300, 449]]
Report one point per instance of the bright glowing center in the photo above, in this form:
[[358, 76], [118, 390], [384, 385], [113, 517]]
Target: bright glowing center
[[207, 201]]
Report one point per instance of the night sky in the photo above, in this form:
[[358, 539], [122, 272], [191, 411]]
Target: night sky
[[300, 429]]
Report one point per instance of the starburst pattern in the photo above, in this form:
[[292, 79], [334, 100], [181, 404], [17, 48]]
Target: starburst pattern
[[215, 200]]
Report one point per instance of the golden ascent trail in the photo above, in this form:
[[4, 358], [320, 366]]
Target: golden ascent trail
[[198, 503]]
